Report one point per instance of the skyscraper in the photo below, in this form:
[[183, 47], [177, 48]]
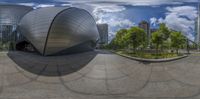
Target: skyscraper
[[145, 25], [197, 28], [10, 16], [103, 33]]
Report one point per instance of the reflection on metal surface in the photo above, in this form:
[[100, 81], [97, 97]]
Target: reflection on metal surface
[[56, 29]]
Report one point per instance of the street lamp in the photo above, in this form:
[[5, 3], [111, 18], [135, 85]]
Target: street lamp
[[188, 47], [133, 38]]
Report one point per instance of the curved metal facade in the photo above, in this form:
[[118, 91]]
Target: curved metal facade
[[56, 29]]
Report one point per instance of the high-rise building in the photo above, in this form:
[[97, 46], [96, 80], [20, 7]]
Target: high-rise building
[[10, 16], [146, 26], [197, 28], [103, 33]]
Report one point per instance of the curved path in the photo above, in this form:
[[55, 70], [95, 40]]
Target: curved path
[[96, 75]]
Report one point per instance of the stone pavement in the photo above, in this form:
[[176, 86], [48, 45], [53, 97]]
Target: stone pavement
[[96, 75]]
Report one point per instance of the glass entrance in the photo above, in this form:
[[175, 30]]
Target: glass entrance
[[6, 37]]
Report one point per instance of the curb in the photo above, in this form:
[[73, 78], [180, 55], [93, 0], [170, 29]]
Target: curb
[[151, 60]]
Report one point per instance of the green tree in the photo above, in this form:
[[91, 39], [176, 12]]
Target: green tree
[[119, 38], [166, 32], [135, 37], [166, 44], [157, 39], [177, 40], [112, 44], [118, 42]]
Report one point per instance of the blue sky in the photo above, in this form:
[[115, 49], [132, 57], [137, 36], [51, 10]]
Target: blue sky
[[179, 15]]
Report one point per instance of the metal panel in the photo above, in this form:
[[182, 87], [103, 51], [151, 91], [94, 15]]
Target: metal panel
[[35, 25], [55, 29], [70, 28]]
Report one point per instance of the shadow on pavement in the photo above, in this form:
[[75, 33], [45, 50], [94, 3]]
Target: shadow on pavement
[[103, 51], [145, 63], [51, 65]]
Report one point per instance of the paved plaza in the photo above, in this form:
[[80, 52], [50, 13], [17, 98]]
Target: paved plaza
[[96, 75]]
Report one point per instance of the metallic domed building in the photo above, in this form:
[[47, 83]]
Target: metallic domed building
[[56, 30], [10, 15]]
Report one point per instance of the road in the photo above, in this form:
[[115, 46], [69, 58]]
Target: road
[[96, 75]]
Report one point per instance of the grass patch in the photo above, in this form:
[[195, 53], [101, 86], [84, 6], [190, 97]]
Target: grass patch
[[146, 55]]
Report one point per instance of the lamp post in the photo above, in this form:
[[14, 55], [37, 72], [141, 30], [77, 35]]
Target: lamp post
[[198, 27], [134, 38], [188, 47]]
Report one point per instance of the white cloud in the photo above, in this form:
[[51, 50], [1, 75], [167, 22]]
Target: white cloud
[[36, 5], [111, 35], [188, 11], [119, 22], [107, 8], [153, 21], [161, 20], [27, 4], [115, 23], [101, 14], [181, 18], [44, 5], [100, 10], [66, 5], [123, 23], [131, 2], [109, 13]]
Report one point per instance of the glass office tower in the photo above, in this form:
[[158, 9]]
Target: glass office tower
[[10, 15]]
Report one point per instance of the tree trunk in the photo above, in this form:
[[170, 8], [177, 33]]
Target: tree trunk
[[134, 49], [157, 48], [177, 51]]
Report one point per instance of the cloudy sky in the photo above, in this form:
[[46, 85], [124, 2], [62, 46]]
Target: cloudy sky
[[179, 15]]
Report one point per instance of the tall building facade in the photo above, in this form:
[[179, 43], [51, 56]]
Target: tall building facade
[[103, 33], [146, 26], [197, 28], [10, 16], [196, 31]]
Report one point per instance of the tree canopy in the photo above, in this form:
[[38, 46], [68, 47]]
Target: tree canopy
[[119, 41], [157, 39], [135, 37], [177, 40], [165, 30]]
